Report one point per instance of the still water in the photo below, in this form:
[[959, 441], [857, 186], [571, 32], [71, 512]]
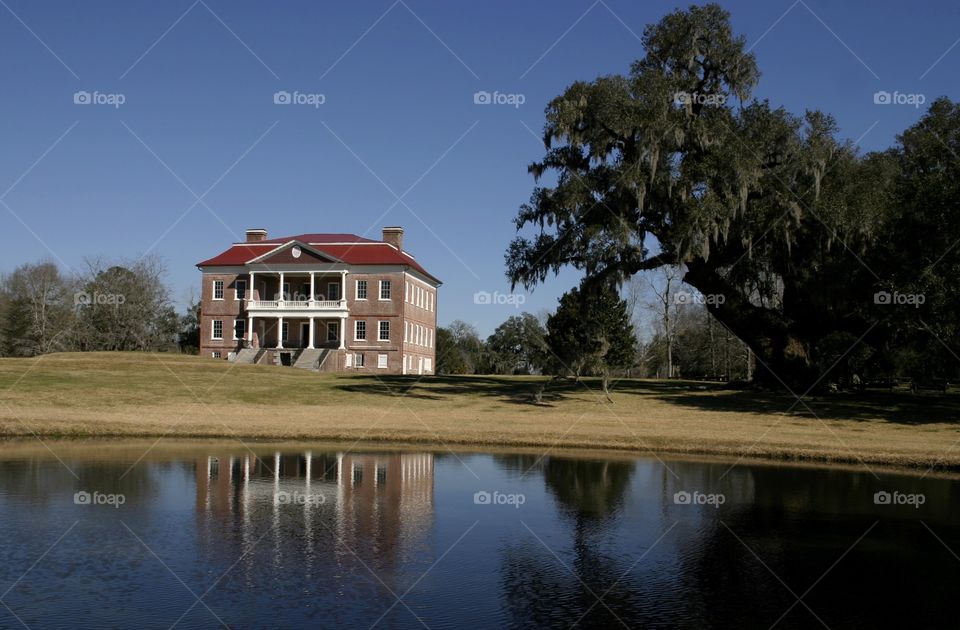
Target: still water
[[129, 535]]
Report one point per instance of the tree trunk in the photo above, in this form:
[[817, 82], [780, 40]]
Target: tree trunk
[[782, 354]]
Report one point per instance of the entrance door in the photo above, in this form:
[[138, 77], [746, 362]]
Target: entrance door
[[304, 334]]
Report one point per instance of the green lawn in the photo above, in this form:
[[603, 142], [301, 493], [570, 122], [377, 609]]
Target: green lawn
[[144, 395]]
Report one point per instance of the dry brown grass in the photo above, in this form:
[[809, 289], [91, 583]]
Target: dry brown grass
[[139, 395]]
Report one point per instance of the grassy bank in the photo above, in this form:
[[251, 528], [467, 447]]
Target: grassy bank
[[137, 395]]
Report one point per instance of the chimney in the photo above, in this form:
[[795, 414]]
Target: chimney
[[393, 236], [256, 234]]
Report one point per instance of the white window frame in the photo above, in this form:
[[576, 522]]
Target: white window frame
[[236, 290], [366, 290], [216, 354], [430, 302], [406, 292], [382, 362], [242, 323], [356, 330], [213, 330], [333, 327], [359, 360], [331, 285], [385, 284], [380, 324], [218, 288]]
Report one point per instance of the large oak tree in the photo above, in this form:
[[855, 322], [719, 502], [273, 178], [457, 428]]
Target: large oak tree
[[673, 164]]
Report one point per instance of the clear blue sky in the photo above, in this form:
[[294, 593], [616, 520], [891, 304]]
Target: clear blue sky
[[398, 80]]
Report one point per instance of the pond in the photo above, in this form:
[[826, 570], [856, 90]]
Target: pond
[[129, 534]]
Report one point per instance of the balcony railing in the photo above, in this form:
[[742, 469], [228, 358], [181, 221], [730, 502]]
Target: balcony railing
[[299, 305]]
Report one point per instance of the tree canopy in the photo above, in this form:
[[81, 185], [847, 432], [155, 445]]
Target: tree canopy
[[673, 164]]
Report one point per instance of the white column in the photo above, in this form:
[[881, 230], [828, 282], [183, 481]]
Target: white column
[[250, 290], [343, 287], [280, 332], [313, 292], [250, 330], [343, 333], [313, 325], [281, 287]]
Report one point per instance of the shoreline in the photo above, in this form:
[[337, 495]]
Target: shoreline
[[862, 462]]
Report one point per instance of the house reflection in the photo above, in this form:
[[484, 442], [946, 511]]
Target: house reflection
[[375, 505]]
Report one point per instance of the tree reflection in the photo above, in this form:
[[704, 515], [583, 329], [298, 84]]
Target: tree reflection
[[540, 590]]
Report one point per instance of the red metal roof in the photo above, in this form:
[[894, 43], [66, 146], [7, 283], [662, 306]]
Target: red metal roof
[[350, 248]]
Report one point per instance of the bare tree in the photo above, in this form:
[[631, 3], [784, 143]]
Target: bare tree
[[664, 285], [38, 312]]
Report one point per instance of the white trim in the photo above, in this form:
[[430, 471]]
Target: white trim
[[244, 268], [382, 362], [222, 290], [213, 330], [356, 328], [356, 290], [290, 244], [380, 286], [380, 324]]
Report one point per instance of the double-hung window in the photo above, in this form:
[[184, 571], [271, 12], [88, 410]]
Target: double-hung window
[[360, 331], [361, 289], [384, 331]]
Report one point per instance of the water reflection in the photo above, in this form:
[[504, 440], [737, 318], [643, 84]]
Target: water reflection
[[296, 537]]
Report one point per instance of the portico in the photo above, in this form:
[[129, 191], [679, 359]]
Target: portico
[[300, 299]]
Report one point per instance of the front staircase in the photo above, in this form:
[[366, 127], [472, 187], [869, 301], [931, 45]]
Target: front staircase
[[246, 355], [311, 359]]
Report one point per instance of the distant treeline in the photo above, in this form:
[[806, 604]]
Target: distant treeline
[[124, 306]]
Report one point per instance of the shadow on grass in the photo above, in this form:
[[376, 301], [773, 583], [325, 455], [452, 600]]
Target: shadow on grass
[[897, 407]]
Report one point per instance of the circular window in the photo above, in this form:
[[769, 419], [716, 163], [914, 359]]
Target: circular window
[[296, 252]]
